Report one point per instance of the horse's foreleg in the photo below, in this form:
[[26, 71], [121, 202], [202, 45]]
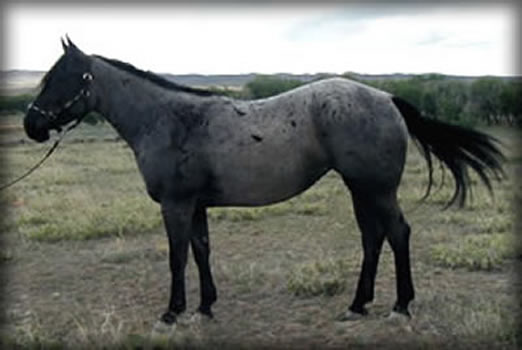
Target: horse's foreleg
[[177, 217], [201, 248]]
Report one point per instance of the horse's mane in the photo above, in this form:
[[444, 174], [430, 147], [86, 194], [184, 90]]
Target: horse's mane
[[156, 79]]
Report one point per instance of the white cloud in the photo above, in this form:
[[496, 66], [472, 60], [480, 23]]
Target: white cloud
[[335, 38]]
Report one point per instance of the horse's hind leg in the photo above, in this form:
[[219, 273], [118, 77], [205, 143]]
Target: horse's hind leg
[[379, 216], [201, 249], [399, 236], [372, 234]]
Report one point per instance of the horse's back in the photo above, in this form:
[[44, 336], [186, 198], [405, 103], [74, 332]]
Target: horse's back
[[362, 131], [268, 150]]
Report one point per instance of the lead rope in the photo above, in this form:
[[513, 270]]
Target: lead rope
[[45, 157], [52, 117]]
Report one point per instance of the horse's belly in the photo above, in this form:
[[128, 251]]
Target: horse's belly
[[264, 159], [254, 186]]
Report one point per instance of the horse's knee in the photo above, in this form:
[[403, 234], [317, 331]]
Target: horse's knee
[[399, 233], [404, 227]]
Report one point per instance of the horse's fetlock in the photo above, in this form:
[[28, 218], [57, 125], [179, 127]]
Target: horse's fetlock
[[169, 317]]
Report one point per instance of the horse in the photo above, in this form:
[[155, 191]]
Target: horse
[[196, 149]]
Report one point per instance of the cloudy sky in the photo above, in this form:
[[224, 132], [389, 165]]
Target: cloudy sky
[[336, 38]]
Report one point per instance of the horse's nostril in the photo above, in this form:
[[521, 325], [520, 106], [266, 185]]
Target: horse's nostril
[[35, 130], [28, 126], [42, 137]]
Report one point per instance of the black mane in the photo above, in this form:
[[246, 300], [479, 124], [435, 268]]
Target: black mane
[[156, 79]]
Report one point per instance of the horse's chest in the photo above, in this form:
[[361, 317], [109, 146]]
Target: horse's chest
[[169, 173]]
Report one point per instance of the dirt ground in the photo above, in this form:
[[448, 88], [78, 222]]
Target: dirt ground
[[98, 291], [110, 291]]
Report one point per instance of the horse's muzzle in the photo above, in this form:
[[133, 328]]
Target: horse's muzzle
[[35, 128]]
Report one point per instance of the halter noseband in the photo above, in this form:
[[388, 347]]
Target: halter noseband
[[51, 116]]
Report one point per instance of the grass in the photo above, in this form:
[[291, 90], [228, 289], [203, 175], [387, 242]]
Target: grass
[[99, 204], [475, 252], [480, 318], [87, 255], [299, 206], [93, 221], [325, 277]]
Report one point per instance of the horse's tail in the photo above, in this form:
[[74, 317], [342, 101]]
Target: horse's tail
[[457, 147]]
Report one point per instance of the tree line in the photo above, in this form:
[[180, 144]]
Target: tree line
[[478, 101], [486, 100], [19, 103]]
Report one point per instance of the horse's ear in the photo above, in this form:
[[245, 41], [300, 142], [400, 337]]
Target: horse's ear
[[70, 44], [64, 45]]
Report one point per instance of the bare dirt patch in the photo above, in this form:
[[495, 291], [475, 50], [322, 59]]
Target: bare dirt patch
[[108, 289]]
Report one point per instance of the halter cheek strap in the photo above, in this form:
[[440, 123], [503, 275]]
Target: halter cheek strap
[[53, 117]]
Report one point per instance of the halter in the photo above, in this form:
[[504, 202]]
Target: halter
[[51, 116]]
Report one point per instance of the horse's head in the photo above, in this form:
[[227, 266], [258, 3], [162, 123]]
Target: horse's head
[[64, 96]]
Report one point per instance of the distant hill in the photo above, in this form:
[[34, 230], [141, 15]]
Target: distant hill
[[15, 82]]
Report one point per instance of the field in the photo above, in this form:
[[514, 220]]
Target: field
[[84, 259]]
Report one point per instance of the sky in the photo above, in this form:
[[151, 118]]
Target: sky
[[231, 39]]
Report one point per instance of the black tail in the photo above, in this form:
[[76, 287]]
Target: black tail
[[457, 147]]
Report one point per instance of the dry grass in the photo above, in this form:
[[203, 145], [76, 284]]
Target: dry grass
[[86, 259], [324, 277], [85, 181], [476, 252]]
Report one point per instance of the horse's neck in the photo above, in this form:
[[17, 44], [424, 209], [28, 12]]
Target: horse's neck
[[125, 100]]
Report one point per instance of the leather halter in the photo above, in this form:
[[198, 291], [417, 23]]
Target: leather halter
[[51, 116]]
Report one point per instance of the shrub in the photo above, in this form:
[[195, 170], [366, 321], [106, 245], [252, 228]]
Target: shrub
[[19, 103], [326, 277], [265, 86], [474, 252]]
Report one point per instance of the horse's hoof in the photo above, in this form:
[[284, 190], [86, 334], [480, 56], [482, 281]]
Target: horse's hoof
[[169, 317], [186, 319], [199, 317], [162, 329], [401, 320], [350, 316], [207, 312], [399, 317]]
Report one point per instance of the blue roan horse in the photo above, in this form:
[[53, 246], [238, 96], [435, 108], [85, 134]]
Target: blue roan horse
[[196, 149]]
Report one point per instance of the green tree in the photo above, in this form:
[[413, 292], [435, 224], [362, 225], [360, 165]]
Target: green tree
[[485, 99], [14, 104], [452, 98], [511, 102], [265, 86]]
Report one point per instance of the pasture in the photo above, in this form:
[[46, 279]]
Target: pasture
[[84, 259]]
